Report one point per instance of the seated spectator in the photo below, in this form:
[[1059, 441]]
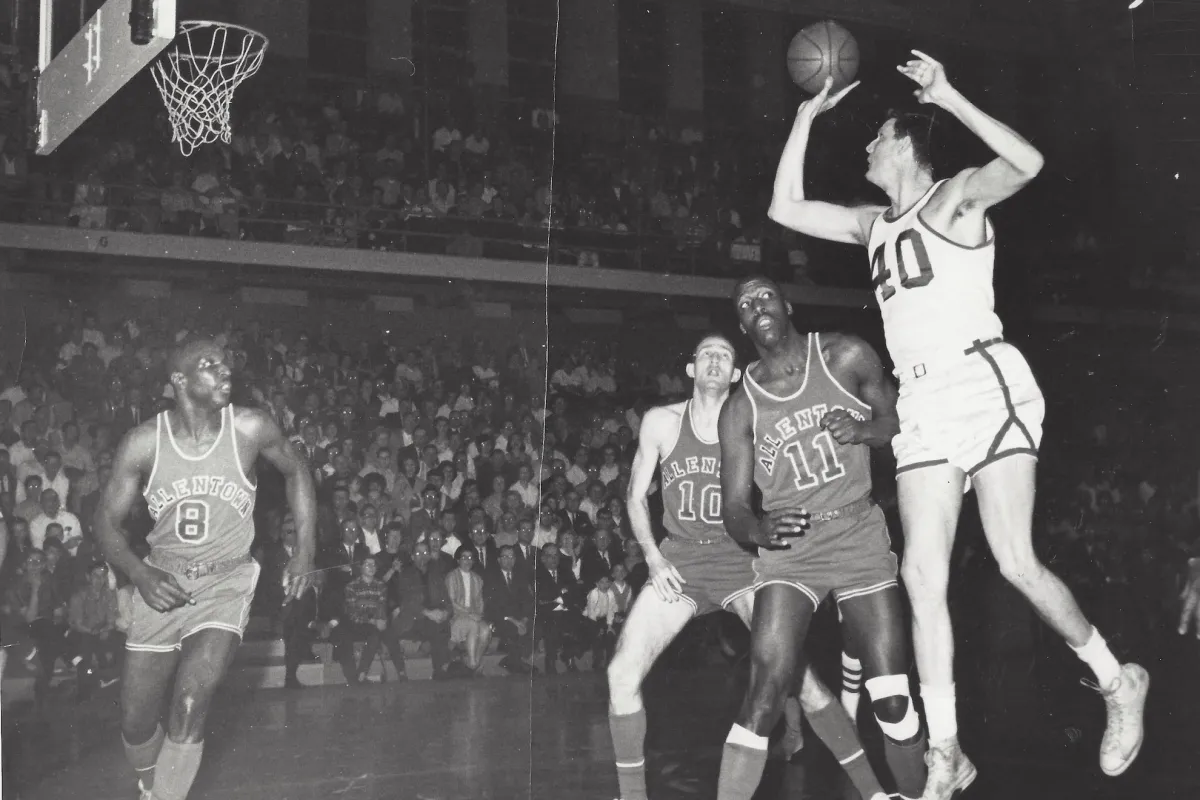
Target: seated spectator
[[305, 619], [623, 592], [93, 635], [52, 513], [33, 603], [468, 626], [509, 609], [423, 610], [365, 619], [601, 614], [559, 619]]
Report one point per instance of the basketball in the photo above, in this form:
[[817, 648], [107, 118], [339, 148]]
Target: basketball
[[820, 50]]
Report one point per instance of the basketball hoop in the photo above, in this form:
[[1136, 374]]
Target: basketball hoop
[[198, 75]]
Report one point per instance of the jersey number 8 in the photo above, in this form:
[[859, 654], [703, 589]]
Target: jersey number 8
[[710, 503], [191, 521]]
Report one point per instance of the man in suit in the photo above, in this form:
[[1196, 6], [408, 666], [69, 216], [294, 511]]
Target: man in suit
[[304, 620], [599, 556], [509, 608], [428, 517], [575, 519], [423, 611], [524, 553], [486, 552], [341, 562], [559, 618]]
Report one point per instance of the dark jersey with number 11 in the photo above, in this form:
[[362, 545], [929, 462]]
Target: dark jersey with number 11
[[202, 506], [691, 479], [797, 463]]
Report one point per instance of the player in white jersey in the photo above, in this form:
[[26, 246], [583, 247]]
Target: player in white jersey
[[970, 410]]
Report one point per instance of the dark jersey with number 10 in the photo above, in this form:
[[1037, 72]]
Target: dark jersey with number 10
[[202, 506], [797, 463], [691, 480]]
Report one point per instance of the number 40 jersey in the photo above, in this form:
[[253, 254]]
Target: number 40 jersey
[[202, 506], [934, 295], [797, 463]]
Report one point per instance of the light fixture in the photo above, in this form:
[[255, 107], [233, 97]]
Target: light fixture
[[1135, 4]]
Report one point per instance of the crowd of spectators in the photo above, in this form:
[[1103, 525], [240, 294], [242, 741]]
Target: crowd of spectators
[[379, 168], [460, 503], [432, 460]]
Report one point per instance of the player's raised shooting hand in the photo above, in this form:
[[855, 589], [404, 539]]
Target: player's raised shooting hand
[[297, 576], [1190, 615], [160, 590], [776, 527], [665, 578], [821, 101], [930, 76], [844, 428]]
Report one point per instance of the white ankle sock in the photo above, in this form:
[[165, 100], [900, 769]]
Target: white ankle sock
[[941, 713], [1095, 654]]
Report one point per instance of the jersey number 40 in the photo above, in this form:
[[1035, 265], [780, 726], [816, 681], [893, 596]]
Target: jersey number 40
[[881, 276]]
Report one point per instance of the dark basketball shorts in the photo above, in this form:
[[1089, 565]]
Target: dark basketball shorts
[[715, 574], [970, 411], [222, 602], [848, 557]]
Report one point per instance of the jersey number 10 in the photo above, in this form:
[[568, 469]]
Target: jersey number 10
[[881, 275], [710, 503]]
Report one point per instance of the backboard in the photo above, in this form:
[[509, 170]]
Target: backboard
[[99, 60]]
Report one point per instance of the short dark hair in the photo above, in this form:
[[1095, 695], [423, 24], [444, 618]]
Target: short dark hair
[[464, 550], [917, 127]]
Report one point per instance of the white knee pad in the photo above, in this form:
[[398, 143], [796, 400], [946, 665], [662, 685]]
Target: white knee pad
[[886, 686]]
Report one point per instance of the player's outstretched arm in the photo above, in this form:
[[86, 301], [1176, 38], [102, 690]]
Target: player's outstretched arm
[[134, 458], [658, 426], [271, 444], [1017, 162], [790, 208]]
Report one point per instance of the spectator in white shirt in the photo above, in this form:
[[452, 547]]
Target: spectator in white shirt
[[368, 520], [445, 135], [526, 486], [51, 473], [53, 514], [602, 611]]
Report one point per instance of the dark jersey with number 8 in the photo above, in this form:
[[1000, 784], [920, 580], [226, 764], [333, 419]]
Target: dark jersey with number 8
[[797, 463], [202, 506]]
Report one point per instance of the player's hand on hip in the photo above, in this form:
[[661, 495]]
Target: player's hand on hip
[[844, 428], [776, 527], [665, 578], [822, 101], [160, 590], [1189, 617], [930, 77]]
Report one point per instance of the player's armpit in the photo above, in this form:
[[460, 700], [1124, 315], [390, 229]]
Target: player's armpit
[[993, 183], [850, 225]]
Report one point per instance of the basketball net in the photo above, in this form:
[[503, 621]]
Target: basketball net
[[198, 75]]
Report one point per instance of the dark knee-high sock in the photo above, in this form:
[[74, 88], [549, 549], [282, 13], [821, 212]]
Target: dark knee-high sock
[[833, 727], [176, 769], [629, 748], [142, 757], [742, 764], [906, 760]]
